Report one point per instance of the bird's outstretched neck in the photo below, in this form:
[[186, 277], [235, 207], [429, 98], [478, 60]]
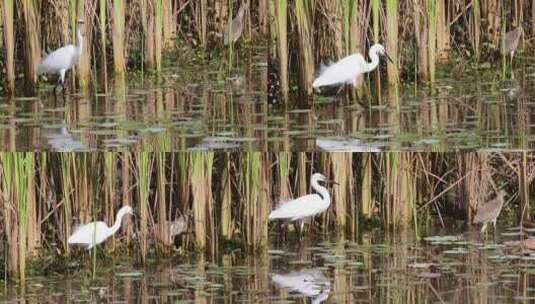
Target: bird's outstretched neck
[[322, 191], [118, 221], [370, 66]]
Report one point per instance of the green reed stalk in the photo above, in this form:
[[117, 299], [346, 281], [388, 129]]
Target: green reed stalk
[[9, 39], [476, 10], [443, 30], [375, 5], [149, 39], [255, 201], [264, 201], [169, 26], [102, 28], [250, 173], [118, 37], [9, 216], [33, 224], [391, 167], [366, 200], [341, 167], [143, 170], [158, 33], [227, 223], [303, 14], [281, 15], [350, 25], [392, 40], [109, 186], [23, 163], [86, 10], [230, 40], [210, 208], [16, 167], [66, 177], [524, 185], [284, 160], [202, 21], [503, 30], [31, 40], [197, 167], [163, 228], [184, 177], [432, 37], [126, 193]]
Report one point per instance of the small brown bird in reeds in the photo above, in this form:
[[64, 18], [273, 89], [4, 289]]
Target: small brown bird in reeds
[[510, 42], [237, 25], [489, 212]]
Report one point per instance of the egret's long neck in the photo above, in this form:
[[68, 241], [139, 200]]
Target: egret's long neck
[[80, 45], [375, 60], [117, 223], [325, 196]]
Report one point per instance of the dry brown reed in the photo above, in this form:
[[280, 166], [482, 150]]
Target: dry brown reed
[[418, 34], [114, 26], [228, 196]]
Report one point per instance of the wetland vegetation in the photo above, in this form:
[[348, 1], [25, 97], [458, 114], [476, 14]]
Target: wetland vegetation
[[209, 204], [204, 138], [447, 69], [152, 74]]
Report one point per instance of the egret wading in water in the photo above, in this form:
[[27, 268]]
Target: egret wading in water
[[348, 69], [307, 205], [62, 59], [94, 233]]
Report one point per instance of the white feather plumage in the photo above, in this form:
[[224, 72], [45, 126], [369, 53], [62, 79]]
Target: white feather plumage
[[62, 59], [347, 70], [94, 233], [305, 206]]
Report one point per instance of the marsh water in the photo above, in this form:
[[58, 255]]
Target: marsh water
[[194, 103], [469, 107], [444, 267], [201, 105]]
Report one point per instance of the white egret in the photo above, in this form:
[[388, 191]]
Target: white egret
[[94, 233], [349, 68], [344, 145], [305, 206], [309, 282], [62, 59]]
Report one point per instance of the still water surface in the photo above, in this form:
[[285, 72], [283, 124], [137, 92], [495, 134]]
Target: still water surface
[[203, 106], [467, 109], [455, 268], [196, 104]]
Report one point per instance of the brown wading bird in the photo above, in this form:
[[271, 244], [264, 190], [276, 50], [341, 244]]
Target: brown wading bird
[[510, 42], [490, 211], [237, 25]]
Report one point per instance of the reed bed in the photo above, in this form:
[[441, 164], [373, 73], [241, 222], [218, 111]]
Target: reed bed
[[114, 28], [418, 35], [209, 202]]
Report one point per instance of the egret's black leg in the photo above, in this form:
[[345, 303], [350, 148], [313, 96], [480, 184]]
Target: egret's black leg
[[63, 90], [56, 87], [495, 234], [338, 93], [359, 101]]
